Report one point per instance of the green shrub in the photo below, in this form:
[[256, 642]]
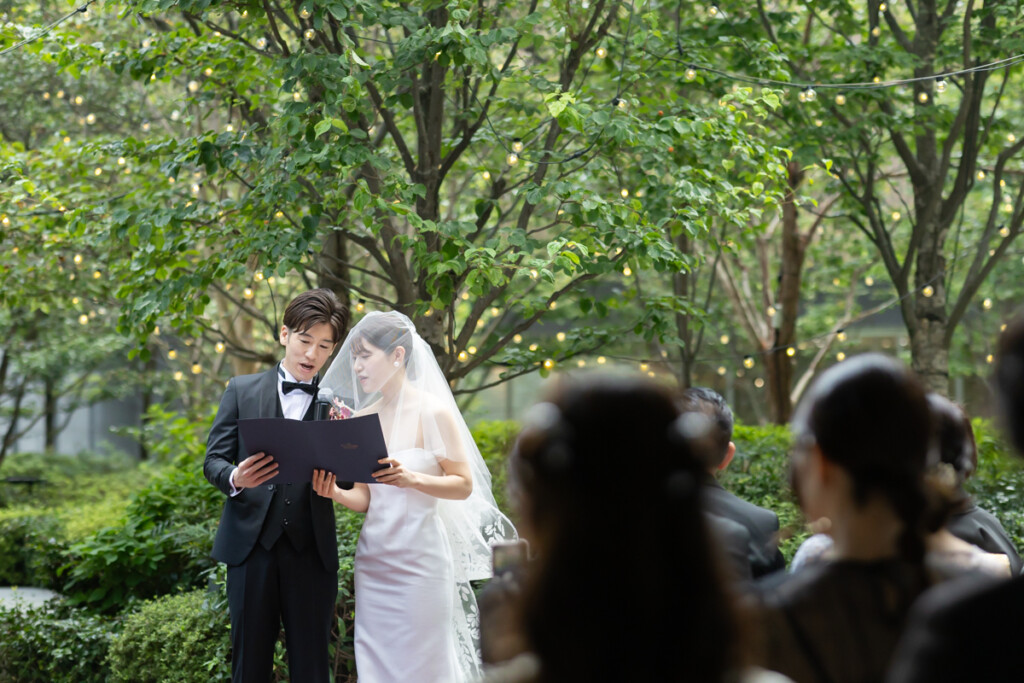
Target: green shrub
[[71, 481], [161, 544], [495, 438], [172, 639], [31, 548], [998, 484], [53, 644]]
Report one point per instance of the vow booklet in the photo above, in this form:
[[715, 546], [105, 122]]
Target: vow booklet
[[348, 448]]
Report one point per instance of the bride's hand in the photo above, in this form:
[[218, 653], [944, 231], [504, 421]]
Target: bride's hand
[[324, 484], [395, 475]]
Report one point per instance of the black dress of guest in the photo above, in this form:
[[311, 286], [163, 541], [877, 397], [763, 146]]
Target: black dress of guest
[[981, 528], [838, 621], [964, 630]]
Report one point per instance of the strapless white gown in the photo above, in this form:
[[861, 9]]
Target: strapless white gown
[[405, 588]]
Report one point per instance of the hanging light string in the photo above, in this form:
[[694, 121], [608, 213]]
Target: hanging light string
[[864, 85], [46, 29], [923, 289]]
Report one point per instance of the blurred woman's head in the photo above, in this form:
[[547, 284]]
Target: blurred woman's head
[[869, 418], [626, 586]]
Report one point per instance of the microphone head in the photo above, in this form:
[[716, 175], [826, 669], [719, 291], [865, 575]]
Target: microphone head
[[325, 395]]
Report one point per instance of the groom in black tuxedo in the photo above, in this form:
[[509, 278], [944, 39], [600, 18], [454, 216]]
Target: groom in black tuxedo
[[278, 540]]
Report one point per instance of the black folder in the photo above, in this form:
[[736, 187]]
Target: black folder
[[348, 448]]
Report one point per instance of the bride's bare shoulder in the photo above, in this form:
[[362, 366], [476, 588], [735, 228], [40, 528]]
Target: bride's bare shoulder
[[368, 410]]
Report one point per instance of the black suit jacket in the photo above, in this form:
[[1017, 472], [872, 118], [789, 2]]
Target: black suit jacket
[[250, 396], [761, 524]]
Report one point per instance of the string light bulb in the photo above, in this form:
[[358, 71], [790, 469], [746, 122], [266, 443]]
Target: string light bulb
[[1011, 138], [172, 354], [876, 31], [1005, 231], [512, 159], [620, 104], [869, 280], [96, 275], [882, 7], [980, 175], [196, 368], [534, 347], [808, 95], [840, 99], [472, 350], [602, 52], [895, 216], [790, 351], [922, 97], [77, 258], [841, 335], [989, 358], [83, 319], [627, 271], [713, 10], [309, 34], [193, 86], [748, 362], [90, 119], [560, 336], [360, 306], [304, 13], [724, 339], [486, 175], [581, 363], [548, 364], [940, 85], [207, 72], [987, 304], [248, 293], [601, 360], [5, 221], [219, 347], [261, 43], [928, 292], [517, 146], [721, 370], [624, 192], [840, 356], [518, 339], [690, 74]]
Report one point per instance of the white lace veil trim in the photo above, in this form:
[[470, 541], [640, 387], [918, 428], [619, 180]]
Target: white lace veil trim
[[428, 417]]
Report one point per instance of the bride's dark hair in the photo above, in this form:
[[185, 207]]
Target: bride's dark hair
[[383, 331], [627, 584]]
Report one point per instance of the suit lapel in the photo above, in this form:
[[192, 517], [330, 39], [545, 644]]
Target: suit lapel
[[270, 404]]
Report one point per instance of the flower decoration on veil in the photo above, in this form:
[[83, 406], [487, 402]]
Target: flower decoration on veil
[[339, 411]]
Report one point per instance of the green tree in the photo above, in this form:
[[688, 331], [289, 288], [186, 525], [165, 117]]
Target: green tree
[[366, 147]]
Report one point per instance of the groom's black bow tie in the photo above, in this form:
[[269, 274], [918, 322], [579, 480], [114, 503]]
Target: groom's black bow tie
[[287, 387]]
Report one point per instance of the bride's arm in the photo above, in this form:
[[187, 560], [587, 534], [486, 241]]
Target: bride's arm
[[357, 498], [457, 481]]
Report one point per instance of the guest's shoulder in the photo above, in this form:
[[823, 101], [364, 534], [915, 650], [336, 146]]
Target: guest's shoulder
[[717, 495]]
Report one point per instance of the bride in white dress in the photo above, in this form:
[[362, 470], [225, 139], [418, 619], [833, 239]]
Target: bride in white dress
[[430, 517]]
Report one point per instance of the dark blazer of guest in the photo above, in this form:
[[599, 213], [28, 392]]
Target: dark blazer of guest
[[761, 524], [981, 528], [242, 521]]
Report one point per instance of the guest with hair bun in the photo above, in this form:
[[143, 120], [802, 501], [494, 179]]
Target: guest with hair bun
[[860, 450], [626, 585]]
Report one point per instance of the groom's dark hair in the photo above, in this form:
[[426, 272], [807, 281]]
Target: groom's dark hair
[[314, 307]]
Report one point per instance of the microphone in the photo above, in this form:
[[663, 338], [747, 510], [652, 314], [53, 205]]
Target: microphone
[[324, 401], [322, 411]]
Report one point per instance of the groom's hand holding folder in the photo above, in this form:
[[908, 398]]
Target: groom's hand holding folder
[[350, 449]]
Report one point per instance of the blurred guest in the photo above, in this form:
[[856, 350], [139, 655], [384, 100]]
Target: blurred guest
[[949, 554], [717, 449], [958, 450], [626, 585], [860, 446], [966, 630]]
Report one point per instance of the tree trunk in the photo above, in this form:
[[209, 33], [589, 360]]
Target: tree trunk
[[50, 408], [779, 364]]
